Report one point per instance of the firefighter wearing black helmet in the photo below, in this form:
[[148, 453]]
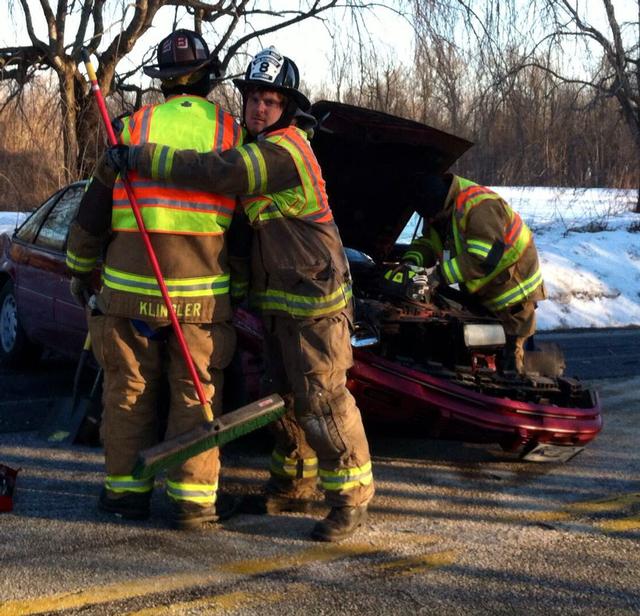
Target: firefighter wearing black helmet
[[130, 330], [300, 282]]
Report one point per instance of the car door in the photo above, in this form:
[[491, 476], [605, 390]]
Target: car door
[[43, 280], [69, 318], [34, 306]]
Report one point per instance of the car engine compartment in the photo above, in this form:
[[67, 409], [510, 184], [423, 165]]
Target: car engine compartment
[[435, 336]]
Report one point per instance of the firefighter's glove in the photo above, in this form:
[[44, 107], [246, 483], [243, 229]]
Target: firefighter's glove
[[398, 279], [81, 290], [122, 158]]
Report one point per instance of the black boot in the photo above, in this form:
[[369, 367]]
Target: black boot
[[273, 504], [191, 516], [130, 506], [341, 523]]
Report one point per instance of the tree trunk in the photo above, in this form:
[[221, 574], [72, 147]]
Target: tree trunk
[[69, 119], [90, 134]]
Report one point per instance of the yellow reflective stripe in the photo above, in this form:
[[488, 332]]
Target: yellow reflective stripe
[[301, 305], [288, 467], [282, 465], [251, 176], [524, 237], [177, 287], [80, 264], [398, 276], [259, 167], [162, 162], [173, 220], [127, 483], [201, 493], [346, 478], [478, 247], [125, 135], [517, 294], [451, 271], [271, 211], [239, 289], [412, 255]]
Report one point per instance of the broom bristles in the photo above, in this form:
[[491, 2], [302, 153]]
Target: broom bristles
[[223, 430]]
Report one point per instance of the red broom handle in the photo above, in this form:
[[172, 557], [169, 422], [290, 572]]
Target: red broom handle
[[206, 407]]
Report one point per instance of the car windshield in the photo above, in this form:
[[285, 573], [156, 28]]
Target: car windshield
[[53, 233], [29, 228], [48, 226]]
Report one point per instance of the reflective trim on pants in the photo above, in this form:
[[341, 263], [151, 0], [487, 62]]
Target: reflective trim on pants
[[201, 493], [347, 478], [293, 467], [126, 483]]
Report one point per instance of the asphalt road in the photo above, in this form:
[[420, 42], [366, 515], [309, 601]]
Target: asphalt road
[[599, 354], [454, 529]]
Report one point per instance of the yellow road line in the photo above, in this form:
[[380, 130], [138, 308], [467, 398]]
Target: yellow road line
[[416, 564], [548, 516], [573, 510], [613, 503], [322, 553], [621, 524], [124, 590], [215, 604]]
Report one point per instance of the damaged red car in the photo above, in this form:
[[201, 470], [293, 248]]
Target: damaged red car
[[429, 361]]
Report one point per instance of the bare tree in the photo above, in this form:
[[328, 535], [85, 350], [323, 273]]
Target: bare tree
[[613, 42], [93, 20]]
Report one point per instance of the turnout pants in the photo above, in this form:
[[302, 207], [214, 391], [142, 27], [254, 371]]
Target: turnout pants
[[134, 367], [519, 323], [321, 436]]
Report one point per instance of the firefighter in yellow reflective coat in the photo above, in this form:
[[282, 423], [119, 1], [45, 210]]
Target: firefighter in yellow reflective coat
[[479, 242], [300, 282], [130, 331]]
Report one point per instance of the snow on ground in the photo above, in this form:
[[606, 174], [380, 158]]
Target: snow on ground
[[589, 245]]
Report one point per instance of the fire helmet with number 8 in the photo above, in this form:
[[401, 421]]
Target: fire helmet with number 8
[[271, 70]]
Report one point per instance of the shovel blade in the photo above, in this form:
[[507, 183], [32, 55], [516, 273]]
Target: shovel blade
[[65, 420]]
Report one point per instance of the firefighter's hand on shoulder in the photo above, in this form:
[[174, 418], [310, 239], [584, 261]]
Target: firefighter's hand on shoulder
[[122, 158], [81, 290]]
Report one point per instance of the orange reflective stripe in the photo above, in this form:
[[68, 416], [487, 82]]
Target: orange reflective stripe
[[140, 125], [469, 193], [231, 137], [313, 171], [151, 189], [513, 231]]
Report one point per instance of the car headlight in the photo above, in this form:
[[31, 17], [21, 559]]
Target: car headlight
[[483, 335]]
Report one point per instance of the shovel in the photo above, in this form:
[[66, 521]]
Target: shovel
[[68, 414]]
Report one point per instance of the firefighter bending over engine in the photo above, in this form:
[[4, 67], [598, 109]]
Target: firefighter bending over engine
[[300, 282], [130, 330], [472, 237]]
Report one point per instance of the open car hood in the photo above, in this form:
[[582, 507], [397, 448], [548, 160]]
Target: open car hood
[[370, 160]]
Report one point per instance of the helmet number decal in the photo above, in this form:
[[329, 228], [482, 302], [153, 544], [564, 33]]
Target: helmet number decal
[[266, 66]]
